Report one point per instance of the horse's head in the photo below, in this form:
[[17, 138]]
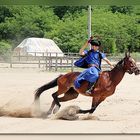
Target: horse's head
[[130, 65]]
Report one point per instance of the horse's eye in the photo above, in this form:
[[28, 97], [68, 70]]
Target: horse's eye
[[132, 64]]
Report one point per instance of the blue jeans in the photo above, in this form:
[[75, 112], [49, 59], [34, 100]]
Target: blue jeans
[[91, 75]]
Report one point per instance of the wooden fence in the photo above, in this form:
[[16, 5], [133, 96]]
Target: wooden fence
[[51, 61]]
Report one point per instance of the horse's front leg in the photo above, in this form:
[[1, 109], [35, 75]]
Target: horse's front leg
[[93, 108], [95, 103], [87, 111]]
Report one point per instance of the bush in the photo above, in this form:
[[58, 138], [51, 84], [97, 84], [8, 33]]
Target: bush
[[5, 49]]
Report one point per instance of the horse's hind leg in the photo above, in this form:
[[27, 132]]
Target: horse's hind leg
[[55, 102], [44, 114], [51, 108], [56, 99], [69, 95]]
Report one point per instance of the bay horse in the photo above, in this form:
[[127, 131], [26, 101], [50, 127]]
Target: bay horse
[[104, 87]]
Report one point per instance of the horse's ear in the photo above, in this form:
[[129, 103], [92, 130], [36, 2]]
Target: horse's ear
[[127, 54]]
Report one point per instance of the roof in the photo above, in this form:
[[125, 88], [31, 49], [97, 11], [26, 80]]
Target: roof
[[38, 45]]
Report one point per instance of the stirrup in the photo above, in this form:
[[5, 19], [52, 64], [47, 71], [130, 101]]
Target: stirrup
[[88, 91], [90, 88]]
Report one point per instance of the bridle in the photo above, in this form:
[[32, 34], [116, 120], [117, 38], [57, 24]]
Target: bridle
[[133, 67]]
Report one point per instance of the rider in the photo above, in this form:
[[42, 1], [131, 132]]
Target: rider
[[92, 59]]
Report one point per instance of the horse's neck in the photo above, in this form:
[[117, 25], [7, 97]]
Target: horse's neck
[[117, 75]]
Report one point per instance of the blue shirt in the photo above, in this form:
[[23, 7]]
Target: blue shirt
[[93, 57]]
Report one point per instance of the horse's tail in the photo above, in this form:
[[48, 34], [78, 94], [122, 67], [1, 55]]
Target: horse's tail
[[47, 86]]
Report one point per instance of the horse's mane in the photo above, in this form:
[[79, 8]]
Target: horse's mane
[[119, 64]]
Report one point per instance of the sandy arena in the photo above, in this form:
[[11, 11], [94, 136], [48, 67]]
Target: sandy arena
[[119, 113]]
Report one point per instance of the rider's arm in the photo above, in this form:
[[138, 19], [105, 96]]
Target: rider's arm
[[108, 62], [81, 52]]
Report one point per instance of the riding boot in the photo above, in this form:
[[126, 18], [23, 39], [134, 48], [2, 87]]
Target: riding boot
[[90, 87]]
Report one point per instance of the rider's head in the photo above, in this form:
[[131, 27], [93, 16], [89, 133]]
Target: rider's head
[[95, 44]]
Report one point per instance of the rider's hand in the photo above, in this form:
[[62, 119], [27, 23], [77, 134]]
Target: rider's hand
[[90, 39], [111, 66]]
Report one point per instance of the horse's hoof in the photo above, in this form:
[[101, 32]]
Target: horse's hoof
[[56, 109], [48, 113], [80, 111], [45, 115]]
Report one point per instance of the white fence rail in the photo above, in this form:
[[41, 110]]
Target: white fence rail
[[50, 61]]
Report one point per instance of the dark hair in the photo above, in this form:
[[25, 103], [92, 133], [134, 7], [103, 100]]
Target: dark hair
[[95, 42]]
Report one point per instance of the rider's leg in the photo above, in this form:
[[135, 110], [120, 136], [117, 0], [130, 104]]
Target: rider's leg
[[92, 77], [80, 79]]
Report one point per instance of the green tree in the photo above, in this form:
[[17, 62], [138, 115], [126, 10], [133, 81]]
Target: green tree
[[61, 11], [121, 9], [28, 21], [117, 29], [5, 12], [69, 34]]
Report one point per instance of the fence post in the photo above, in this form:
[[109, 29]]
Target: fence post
[[50, 62], [67, 59], [39, 63], [46, 65], [35, 55], [19, 56], [61, 60], [11, 60], [72, 64], [27, 56], [43, 56], [56, 61]]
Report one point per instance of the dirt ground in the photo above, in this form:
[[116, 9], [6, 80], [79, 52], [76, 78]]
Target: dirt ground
[[119, 113]]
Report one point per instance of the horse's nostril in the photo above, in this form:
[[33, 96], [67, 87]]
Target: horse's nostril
[[137, 72]]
